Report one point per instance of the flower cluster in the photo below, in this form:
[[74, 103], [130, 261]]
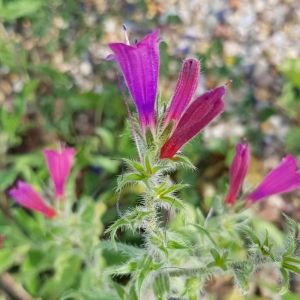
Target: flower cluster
[[184, 118], [59, 164], [284, 178], [140, 66]]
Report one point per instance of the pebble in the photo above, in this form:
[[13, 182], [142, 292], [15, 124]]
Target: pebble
[[85, 68]]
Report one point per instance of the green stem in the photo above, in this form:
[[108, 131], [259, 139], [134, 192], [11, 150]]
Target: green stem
[[150, 205]]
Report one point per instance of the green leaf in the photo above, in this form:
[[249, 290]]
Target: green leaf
[[250, 234], [130, 178], [174, 202], [119, 289], [291, 69], [242, 279], [145, 267], [292, 142], [149, 137], [29, 88], [291, 248], [113, 229], [67, 270], [137, 166], [205, 231], [285, 281], [84, 101], [215, 254], [125, 249], [106, 136], [289, 100], [19, 8], [123, 269], [155, 169], [7, 259], [7, 178], [177, 245], [293, 226], [7, 57], [292, 268], [104, 162], [166, 133], [184, 160], [131, 219], [173, 188], [194, 285], [148, 164], [161, 286]]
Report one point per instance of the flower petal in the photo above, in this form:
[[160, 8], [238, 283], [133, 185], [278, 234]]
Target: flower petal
[[59, 166], [25, 195], [284, 178], [140, 66], [238, 170], [184, 91], [199, 114]]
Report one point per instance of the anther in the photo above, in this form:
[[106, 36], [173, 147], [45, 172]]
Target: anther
[[125, 33]]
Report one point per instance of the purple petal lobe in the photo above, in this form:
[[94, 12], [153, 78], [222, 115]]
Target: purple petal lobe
[[199, 114], [284, 178], [238, 170], [110, 57], [25, 195], [184, 91], [140, 66]]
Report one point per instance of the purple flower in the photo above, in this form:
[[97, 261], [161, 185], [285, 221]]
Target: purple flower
[[284, 178], [25, 195], [238, 170], [59, 165], [184, 91], [140, 66], [199, 114]]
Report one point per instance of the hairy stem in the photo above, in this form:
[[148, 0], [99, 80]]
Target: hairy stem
[[150, 205]]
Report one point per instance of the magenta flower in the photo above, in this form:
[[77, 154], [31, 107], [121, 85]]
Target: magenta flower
[[184, 91], [59, 165], [199, 114], [238, 170], [25, 195], [284, 178], [140, 66]]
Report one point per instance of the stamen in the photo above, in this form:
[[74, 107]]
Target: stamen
[[135, 41], [125, 33], [228, 82], [61, 146]]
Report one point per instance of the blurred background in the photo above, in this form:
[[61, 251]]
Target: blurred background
[[56, 86]]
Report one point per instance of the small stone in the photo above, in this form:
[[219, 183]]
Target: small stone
[[2, 97], [5, 87], [85, 68]]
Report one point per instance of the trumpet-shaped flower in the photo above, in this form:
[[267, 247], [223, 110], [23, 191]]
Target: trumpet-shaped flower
[[199, 114], [184, 91], [238, 170], [59, 164], [25, 195], [140, 66], [284, 178]]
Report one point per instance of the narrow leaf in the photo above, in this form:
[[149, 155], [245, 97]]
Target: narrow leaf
[[184, 160], [202, 229], [172, 188], [174, 202]]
